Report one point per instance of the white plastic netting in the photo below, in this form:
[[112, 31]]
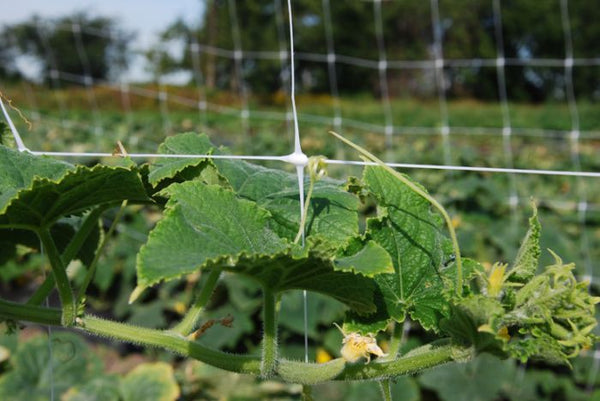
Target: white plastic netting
[[552, 158]]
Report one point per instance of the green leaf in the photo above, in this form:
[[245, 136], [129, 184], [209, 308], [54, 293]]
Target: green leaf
[[20, 168], [170, 168], [408, 230], [479, 380], [208, 227], [37, 372], [43, 201], [527, 260], [203, 222], [150, 381], [369, 261], [102, 388], [332, 214]]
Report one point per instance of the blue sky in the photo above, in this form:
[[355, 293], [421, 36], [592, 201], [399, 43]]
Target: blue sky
[[145, 17]]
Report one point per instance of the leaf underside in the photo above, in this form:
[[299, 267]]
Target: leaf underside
[[36, 191], [410, 232]]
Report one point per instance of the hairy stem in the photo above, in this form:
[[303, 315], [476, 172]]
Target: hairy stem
[[423, 358], [269, 345], [415, 188], [307, 393], [29, 313], [89, 276], [304, 373], [65, 292], [190, 321], [386, 389], [170, 341], [69, 254], [396, 340]]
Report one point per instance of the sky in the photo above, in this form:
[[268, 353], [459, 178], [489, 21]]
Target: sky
[[145, 17]]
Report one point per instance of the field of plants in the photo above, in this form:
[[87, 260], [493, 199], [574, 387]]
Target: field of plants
[[196, 294]]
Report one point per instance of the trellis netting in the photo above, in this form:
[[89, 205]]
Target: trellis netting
[[484, 159]]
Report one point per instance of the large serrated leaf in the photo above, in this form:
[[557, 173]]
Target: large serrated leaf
[[308, 271], [408, 230], [207, 226], [203, 222], [332, 214], [44, 200]]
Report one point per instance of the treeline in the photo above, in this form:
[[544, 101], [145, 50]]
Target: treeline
[[531, 30]]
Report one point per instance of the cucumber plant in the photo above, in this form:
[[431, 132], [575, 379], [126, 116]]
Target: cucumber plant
[[229, 217]]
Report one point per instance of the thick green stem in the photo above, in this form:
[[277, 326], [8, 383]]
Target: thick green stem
[[415, 188], [92, 268], [298, 372], [170, 341], [192, 317], [386, 389], [396, 340], [69, 254], [65, 292], [30, 313], [307, 393], [422, 358], [269, 345]]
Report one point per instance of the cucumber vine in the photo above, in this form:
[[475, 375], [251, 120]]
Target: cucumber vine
[[236, 218]]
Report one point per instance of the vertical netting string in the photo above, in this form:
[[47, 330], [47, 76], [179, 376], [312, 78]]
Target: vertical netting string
[[513, 199], [582, 204], [238, 58], [283, 61], [54, 73], [299, 159], [439, 78], [331, 66], [199, 81], [87, 79], [382, 69]]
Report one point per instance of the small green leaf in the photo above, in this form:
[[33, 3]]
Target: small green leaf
[[168, 168], [527, 260], [20, 168], [150, 381], [369, 261]]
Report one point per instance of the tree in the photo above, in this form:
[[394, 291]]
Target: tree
[[531, 29], [79, 44]]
